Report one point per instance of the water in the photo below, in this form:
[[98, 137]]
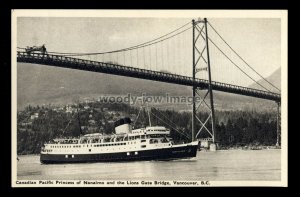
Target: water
[[230, 165]]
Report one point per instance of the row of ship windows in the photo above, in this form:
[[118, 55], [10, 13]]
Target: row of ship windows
[[50, 150], [96, 145], [117, 144], [99, 145], [75, 146]]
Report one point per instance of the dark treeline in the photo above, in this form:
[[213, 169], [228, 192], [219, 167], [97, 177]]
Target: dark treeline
[[234, 128]]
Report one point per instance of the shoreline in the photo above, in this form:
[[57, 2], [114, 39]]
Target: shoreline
[[250, 147]]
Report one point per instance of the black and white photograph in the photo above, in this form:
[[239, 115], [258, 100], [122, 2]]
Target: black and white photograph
[[149, 98]]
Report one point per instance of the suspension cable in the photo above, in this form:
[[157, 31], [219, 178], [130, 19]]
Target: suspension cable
[[237, 65], [242, 58], [125, 49], [121, 50]]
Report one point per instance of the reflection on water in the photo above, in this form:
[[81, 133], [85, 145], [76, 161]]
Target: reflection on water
[[220, 165]]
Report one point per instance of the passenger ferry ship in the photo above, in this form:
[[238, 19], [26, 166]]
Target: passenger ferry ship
[[150, 143]]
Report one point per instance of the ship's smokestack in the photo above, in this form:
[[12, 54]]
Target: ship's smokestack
[[123, 126]]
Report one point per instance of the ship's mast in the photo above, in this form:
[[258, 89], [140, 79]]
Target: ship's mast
[[143, 108], [149, 115], [79, 122]]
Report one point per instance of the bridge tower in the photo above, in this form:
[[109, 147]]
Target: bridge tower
[[201, 58]]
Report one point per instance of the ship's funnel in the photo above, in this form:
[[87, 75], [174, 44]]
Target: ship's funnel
[[123, 126]]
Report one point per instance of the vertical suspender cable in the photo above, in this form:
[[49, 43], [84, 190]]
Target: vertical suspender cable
[[131, 59], [150, 58], [144, 57], [118, 58], [168, 54], [162, 55], [137, 57], [124, 58], [156, 56]]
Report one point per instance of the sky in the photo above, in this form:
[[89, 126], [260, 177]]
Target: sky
[[257, 40]]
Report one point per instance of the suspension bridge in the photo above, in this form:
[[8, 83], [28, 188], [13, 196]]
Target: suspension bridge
[[194, 54]]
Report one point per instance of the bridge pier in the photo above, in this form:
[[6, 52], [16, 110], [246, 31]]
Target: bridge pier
[[213, 147], [278, 142]]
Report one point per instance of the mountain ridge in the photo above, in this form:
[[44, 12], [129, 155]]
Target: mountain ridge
[[274, 79]]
